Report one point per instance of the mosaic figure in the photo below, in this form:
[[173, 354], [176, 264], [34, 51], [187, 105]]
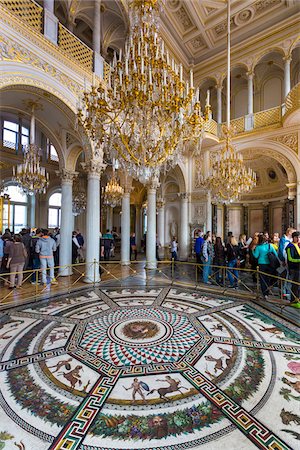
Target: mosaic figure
[[174, 385], [73, 376], [138, 330], [64, 363], [137, 388]]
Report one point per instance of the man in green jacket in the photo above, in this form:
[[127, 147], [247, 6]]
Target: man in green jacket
[[293, 261]]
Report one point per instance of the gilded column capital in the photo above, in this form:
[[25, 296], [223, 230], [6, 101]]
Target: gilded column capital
[[153, 184], [250, 74], [66, 176], [94, 167], [184, 196], [160, 203]]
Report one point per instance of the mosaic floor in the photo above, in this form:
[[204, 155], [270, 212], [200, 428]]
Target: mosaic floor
[[159, 368]]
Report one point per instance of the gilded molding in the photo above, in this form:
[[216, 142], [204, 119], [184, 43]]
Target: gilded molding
[[42, 42], [290, 140], [12, 51], [66, 176]]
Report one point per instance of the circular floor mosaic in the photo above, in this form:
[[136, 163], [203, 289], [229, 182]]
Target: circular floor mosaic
[[168, 369]]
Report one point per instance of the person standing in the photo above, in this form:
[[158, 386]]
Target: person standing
[[219, 259], [232, 261], [283, 243], [174, 249], [35, 256], [45, 247], [133, 248], [16, 261], [1, 251], [75, 247], [207, 257], [293, 261], [260, 252], [26, 240], [107, 242], [157, 247]]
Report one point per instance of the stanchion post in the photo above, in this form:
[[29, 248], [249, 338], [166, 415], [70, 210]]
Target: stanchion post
[[94, 272], [257, 282]]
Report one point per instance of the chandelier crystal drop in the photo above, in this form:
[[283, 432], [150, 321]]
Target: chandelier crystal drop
[[147, 111], [30, 176], [228, 178], [112, 193]]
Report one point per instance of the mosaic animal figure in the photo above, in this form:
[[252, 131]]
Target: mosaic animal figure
[[174, 385], [272, 330], [287, 417], [73, 376], [218, 361], [64, 363], [293, 384]]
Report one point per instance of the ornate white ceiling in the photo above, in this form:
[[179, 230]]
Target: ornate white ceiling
[[194, 29], [198, 27]]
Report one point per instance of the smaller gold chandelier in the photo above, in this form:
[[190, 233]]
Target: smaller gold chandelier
[[112, 193], [228, 177], [30, 176]]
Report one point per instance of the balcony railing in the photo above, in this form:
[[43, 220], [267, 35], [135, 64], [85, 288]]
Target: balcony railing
[[27, 10], [267, 118], [73, 47], [292, 101]]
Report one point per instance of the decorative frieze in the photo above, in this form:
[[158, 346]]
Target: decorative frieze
[[290, 140]]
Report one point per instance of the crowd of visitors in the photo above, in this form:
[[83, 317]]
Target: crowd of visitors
[[273, 256], [32, 250]]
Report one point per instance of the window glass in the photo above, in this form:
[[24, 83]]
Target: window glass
[[53, 153], [20, 217], [24, 140], [53, 217], [10, 136], [25, 131], [55, 199], [11, 125], [16, 195]]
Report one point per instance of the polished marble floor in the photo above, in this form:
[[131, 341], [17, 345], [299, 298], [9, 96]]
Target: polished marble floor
[[160, 367]]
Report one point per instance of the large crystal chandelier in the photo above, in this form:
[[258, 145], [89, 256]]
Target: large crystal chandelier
[[147, 111], [227, 176], [30, 176], [112, 192]]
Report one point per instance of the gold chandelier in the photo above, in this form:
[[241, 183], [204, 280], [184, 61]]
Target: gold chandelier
[[147, 111], [30, 176], [112, 192], [228, 177]]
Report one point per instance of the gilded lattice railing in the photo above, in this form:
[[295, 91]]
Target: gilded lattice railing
[[27, 10], [238, 125], [71, 45], [106, 70], [292, 101], [268, 117], [211, 127]]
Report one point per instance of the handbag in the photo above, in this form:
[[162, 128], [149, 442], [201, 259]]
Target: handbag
[[273, 259]]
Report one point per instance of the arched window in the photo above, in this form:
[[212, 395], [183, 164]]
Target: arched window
[[18, 209], [54, 210]]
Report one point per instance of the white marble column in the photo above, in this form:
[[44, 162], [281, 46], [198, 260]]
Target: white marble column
[[50, 21], [161, 221], [98, 60], [65, 247], [94, 169], [208, 224], [184, 227], [125, 227], [287, 75], [32, 205], [138, 232], [109, 218], [219, 103], [151, 225], [250, 92]]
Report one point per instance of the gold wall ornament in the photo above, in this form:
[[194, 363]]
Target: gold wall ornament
[[290, 140], [147, 111], [10, 50]]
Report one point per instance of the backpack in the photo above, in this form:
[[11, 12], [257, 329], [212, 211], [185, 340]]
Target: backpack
[[273, 259]]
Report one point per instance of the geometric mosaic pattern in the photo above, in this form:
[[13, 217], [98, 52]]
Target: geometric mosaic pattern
[[142, 368]]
